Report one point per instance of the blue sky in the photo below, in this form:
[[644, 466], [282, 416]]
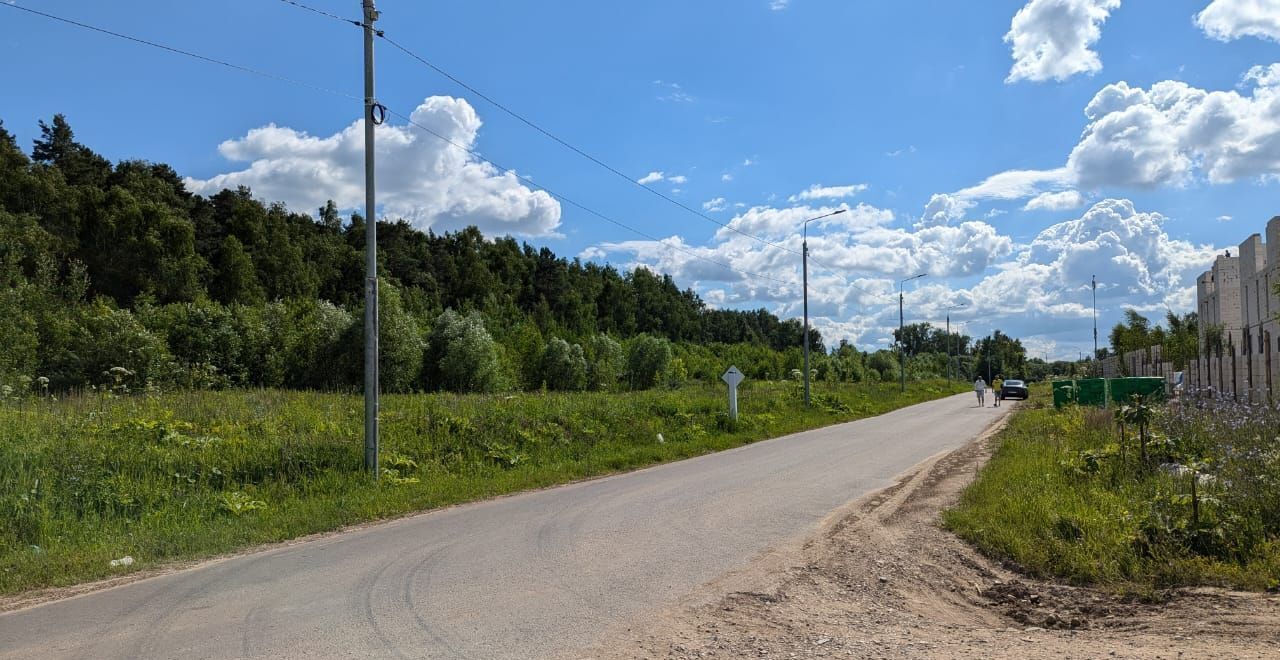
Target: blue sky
[[901, 112]]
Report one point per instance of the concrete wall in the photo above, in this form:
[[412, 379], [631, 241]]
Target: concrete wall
[[1238, 293]]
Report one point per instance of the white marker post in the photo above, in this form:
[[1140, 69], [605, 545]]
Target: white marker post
[[733, 377]]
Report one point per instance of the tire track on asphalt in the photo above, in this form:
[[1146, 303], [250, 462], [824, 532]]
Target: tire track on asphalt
[[144, 646], [428, 564], [364, 589]]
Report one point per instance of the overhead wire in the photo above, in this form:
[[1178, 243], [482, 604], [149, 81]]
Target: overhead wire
[[537, 127], [547, 133], [179, 51], [322, 12], [497, 104], [408, 119], [560, 196], [613, 170]]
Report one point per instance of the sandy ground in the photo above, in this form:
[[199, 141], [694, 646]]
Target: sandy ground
[[885, 581]]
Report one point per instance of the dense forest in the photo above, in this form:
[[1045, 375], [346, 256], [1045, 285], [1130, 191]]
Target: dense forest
[[118, 266], [114, 275]]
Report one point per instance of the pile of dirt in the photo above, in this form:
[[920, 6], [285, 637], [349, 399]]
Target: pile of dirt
[[885, 581]]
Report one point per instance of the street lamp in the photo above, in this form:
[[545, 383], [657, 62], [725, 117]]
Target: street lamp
[[901, 344], [949, 310], [804, 259]]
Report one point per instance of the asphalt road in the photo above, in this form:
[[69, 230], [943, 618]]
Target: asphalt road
[[536, 575]]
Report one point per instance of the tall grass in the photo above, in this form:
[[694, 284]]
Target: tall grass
[[162, 477], [1070, 494]]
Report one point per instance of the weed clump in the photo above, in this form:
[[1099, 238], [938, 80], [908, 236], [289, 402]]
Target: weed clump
[[1148, 495]]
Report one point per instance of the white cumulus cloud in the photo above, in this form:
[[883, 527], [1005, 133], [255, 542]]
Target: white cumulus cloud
[[652, 177], [943, 208], [1038, 291], [819, 191], [421, 179], [1051, 39], [1127, 249], [714, 205], [1055, 201], [1226, 20], [1169, 132]]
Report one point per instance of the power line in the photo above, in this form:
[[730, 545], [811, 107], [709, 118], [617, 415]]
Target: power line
[[526, 180], [580, 152], [443, 138], [499, 105], [606, 166], [322, 12], [531, 183], [180, 51]]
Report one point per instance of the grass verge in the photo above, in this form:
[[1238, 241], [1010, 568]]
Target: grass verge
[[1069, 495], [185, 475]]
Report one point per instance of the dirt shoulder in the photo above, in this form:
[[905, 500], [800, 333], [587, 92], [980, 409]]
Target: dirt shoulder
[[885, 581]]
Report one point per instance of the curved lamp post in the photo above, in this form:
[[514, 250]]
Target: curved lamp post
[[804, 258], [902, 346]]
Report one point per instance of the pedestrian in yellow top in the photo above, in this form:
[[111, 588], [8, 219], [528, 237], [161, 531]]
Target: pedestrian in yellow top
[[996, 386]]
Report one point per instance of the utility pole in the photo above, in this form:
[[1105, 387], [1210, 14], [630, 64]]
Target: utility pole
[[949, 341], [371, 255], [804, 266], [902, 344], [991, 344], [1094, 285], [804, 249]]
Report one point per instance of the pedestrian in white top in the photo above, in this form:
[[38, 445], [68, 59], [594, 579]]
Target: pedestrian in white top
[[980, 387]]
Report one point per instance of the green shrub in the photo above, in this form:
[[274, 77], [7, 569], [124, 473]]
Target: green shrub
[[200, 335], [648, 359], [607, 361], [460, 355], [19, 334], [400, 344], [884, 363], [564, 366], [308, 337], [107, 339]]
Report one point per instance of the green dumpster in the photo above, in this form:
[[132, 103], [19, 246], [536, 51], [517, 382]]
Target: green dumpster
[[1124, 389], [1063, 392], [1092, 391]]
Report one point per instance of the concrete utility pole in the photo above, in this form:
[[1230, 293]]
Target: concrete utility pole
[[991, 344], [804, 267], [902, 345], [949, 342], [1094, 285], [371, 254], [804, 260]]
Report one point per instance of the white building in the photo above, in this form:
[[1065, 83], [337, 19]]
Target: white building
[[1238, 296]]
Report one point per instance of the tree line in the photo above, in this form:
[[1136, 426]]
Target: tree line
[[1180, 339], [119, 266]]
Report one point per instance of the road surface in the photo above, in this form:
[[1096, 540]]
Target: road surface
[[537, 575]]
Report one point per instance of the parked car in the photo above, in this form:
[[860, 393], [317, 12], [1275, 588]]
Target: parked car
[[1013, 389]]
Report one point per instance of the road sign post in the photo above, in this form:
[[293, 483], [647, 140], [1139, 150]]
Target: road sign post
[[732, 377]]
